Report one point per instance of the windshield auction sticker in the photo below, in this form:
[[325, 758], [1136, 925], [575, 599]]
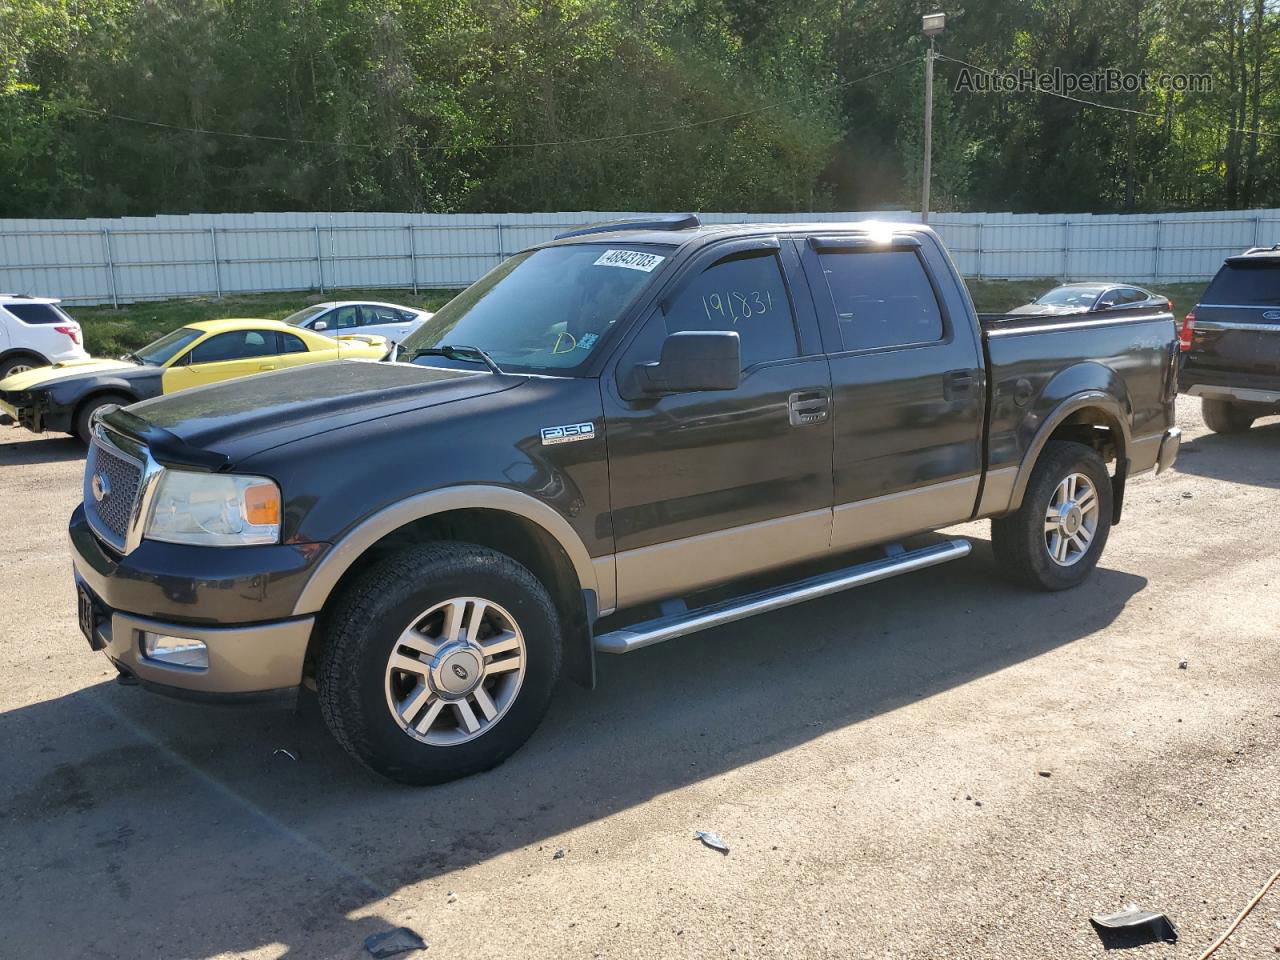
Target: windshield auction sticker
[[629, 259]]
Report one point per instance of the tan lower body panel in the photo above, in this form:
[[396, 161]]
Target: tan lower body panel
[[682, 566], [1144, 452], [241, 659], [997, 492], [881, 519]]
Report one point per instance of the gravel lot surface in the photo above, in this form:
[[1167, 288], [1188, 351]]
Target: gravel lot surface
[[937, 766]]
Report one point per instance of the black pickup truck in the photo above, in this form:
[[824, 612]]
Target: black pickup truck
[[1231, 343], [594, 448]]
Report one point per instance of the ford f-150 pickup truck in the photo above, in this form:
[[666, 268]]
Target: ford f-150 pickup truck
[[628, 434]]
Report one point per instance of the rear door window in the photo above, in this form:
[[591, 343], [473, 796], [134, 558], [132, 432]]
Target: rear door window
[[37, 313], [372, 316], [1245, 285], [882, 298], [744, 293]]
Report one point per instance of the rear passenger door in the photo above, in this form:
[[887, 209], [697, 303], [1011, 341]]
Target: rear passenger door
[[708, 486], [908, 385], [381, 321]]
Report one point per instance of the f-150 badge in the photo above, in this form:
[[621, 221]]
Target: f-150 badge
[[568, 433]]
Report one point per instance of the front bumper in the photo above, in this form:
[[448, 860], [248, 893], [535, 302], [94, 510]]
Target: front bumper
[[1169, 447], [35, 413], [238, 601]]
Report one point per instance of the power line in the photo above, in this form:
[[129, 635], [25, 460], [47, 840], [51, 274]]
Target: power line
[[1027, 85], [105, 115]]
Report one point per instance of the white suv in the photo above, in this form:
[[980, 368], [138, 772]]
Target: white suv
[[35, 332]]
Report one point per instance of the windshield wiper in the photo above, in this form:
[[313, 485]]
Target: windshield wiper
[[457, 351], [133, 357]]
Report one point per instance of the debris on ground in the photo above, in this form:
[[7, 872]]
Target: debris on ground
[[558, 855], [713, 841], [392, 942], [1045, 773], [1132, 927], [1183, 664], [279, 751]]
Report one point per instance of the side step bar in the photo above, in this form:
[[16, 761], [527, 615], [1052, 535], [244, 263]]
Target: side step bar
[[626, 639]]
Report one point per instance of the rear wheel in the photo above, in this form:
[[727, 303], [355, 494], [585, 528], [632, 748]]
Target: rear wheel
[[19, 363], [1225, 416], [83, 424], [1055, 539], [440, 662]]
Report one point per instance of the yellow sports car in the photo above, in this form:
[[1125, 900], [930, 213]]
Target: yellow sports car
[[63, 397]]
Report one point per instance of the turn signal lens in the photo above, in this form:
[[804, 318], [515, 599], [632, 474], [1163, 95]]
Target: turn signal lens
[[1187, 332], [262, 504]]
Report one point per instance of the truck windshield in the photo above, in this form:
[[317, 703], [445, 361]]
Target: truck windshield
[[543, 311]]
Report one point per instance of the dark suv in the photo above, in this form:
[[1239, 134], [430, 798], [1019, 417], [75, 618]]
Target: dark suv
[[1231, 343]]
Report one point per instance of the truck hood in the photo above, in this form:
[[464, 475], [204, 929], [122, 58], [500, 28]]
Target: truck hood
[[242, 417], [68, 368]]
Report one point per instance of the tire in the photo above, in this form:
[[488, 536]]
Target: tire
[[1022, 542], [18, 362], [369, 703], [82, 425], [1223, 416]]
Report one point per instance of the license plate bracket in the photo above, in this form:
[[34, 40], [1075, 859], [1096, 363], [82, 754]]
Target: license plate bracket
[[87, 614]]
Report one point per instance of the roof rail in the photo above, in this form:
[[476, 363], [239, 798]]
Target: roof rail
[[673, 221], [1252, 250]]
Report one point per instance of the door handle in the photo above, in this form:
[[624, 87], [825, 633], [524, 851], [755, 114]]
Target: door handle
[[808, 407], [957, 384]]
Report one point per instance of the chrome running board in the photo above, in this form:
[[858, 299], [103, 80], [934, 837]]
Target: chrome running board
[[626, 639]]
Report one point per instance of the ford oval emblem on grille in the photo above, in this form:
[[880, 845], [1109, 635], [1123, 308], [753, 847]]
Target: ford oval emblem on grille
[[101, 486], [1271, 315]]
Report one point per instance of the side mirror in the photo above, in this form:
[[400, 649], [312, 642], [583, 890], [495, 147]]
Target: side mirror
[[692, 361], [320, 325]]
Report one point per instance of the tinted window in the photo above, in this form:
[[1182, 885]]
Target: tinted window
[[882, 298], [544, 310], [378, 315], [1245, 285], [235, 346], [746, 294], [291, 344], [1131, 295], [37, 312], [343, 318]]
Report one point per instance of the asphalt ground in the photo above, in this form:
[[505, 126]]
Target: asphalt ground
[[941, 765]]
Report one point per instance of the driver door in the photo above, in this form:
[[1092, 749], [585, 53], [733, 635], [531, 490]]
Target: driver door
[[224, 356], [708, 486]]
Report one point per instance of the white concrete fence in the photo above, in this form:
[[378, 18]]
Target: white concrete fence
[[132, 259]]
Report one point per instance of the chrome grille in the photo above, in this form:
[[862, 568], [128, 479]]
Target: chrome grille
[[111, 484]]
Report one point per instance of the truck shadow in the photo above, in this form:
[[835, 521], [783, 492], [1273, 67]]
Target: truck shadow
[[1249, 457], [42, 450], [186, 831]]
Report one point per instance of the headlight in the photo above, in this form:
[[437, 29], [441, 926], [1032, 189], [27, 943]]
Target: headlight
[[214, 510]]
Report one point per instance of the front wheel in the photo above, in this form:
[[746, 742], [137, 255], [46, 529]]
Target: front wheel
[[440, 662], [1224, 416], [83, 423], [1054, 540]]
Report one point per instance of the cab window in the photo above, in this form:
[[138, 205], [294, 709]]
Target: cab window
[[236, 345], [882, 298], [745, 293]]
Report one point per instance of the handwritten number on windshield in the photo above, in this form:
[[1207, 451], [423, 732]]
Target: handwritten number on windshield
[[734, 306]]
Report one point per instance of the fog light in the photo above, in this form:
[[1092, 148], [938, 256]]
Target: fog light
[[175, 651]]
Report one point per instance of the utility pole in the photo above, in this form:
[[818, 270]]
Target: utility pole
[[932, 25]]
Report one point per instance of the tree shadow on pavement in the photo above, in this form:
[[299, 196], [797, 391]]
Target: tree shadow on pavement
[[58, 449], [1252, 457], [136, 826]]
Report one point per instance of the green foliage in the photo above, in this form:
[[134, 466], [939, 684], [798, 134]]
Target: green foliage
[[458, 105]]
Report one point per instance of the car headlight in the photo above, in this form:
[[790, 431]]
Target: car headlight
[[214, 510]]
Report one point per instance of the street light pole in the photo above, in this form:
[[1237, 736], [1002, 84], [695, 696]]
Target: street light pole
[[932, 25]]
